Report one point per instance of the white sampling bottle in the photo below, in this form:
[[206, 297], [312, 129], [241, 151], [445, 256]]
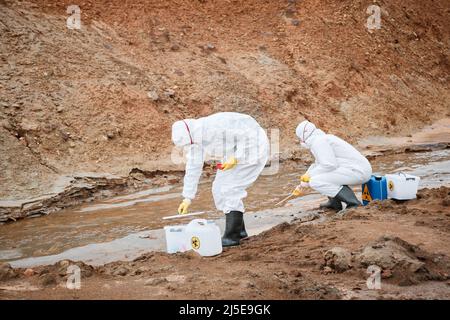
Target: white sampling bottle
[[204, 237]]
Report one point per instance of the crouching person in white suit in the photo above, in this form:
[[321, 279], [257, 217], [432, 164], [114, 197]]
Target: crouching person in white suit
[[243, 147], [337, 165]]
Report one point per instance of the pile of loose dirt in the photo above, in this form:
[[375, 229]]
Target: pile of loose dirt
[[403, 263], [430, 208], [102, 99]]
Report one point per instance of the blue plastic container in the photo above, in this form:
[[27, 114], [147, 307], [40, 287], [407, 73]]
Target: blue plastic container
[[374, 189]]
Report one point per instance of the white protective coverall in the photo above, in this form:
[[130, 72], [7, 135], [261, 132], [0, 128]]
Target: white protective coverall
[[337, 163], [219, 137]]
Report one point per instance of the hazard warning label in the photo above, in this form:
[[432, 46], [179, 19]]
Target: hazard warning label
[[391, 185], [366, 194], [195, 242]]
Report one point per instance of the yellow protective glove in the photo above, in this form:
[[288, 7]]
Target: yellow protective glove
[[305, 178], [183, 208], [230, 164], [297, 192]]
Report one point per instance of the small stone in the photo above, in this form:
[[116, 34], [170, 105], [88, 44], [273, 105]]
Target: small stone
[[62, 272], [209, 46], [173, 180], [44, 271], [153, 95], [155, 281], [120, 272], [298, 274], [110, 135], [86, 273], [295, 22], [142, 269], [169, 93], [327, 270], [446, 201], [338, 259], [64, 263], [29, 272], [6, 272], [65, 135], [175, 47], [5, 265], [6, 125], [386, 274], [47, 280], [179, 73], [29, 125]]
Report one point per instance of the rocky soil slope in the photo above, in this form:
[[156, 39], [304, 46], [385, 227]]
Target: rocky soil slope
[[102, 99]]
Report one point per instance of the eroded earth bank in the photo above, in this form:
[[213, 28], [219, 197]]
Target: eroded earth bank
[[86, 173]]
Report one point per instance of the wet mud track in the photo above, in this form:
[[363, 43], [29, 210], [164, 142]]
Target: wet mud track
[[298, 260]]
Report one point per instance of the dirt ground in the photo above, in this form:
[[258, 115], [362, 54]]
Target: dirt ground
[[408, 241], [102, 99], [87, 113]]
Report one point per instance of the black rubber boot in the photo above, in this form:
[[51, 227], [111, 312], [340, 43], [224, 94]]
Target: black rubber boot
[[233, 227], [347, 196], [332, 203], [243, 231]]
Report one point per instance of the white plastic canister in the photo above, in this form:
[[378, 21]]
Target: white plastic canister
[[204, 237], [402, 186], [176, 239]]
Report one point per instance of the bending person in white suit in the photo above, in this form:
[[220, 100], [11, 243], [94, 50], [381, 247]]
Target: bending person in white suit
[[337, 165], [243, 147]]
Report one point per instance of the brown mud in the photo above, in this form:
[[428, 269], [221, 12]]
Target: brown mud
[[102, 99], [408, 240], [71, 191], [126, 226]]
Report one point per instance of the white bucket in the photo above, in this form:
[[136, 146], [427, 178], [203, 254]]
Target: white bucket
[[402, 186], [176, 239], [204, 237]]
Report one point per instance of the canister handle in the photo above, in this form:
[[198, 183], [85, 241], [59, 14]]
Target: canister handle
[[200, 222], [407, 178]]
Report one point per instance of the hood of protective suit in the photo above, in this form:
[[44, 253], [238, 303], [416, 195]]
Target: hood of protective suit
[[186, 132], [306, 131]]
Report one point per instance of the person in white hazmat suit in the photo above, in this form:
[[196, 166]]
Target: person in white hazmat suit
[[242, 146], [337, 165]]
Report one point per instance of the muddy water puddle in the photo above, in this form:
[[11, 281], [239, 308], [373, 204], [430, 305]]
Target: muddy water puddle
[[124, 227]]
